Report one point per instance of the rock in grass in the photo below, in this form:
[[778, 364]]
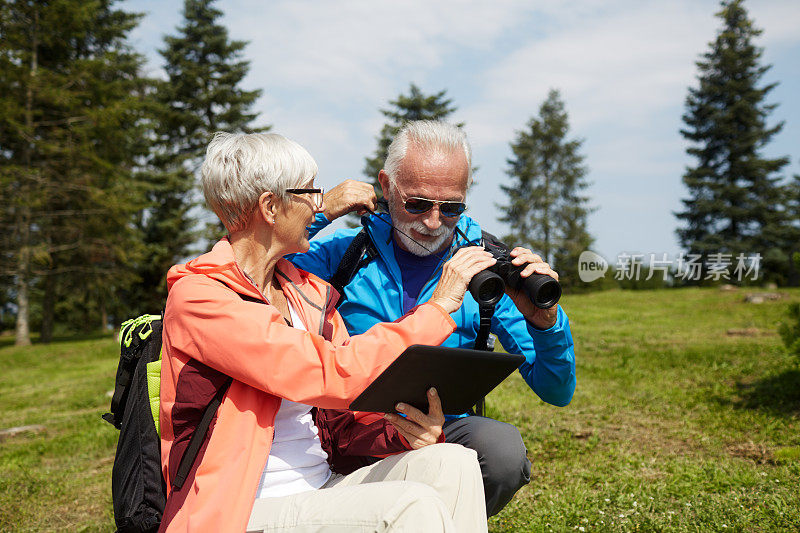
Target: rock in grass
[[761, 297], [20, 430]]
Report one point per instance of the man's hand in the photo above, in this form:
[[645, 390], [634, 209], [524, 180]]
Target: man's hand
[[541, 318], [419, 429], [350, 195]]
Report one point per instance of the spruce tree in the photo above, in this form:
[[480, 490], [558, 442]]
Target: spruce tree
[[70, 120], [547, 209], [204, 69], [201, 95], [735, 198]]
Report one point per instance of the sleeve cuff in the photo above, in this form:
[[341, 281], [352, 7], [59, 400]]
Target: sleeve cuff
[[445, 313], [555, 328]]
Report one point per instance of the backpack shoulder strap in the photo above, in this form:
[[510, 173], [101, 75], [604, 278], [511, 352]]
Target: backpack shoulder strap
[[199, 435], [360, 252]]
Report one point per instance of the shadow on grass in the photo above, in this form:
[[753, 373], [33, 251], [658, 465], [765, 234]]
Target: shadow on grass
[[779, 394]]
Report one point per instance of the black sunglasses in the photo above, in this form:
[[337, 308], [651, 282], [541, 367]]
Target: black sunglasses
[[416, 205]]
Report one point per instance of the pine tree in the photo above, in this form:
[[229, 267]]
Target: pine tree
[[735, 198], [546, 209], [201, 95], [414, 106], [70, 120]]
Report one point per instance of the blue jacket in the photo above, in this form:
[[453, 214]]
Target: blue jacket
[[375, 295]]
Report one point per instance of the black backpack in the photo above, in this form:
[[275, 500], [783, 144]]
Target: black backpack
[[137, 485]]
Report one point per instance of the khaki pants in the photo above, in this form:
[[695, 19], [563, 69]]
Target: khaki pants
[[435, 489]]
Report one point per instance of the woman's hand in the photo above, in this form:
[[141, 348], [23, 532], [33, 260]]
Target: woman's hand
[[350, 195], [419, 429], [456, 275]]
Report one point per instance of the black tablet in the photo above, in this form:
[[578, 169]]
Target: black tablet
[[461, 376]]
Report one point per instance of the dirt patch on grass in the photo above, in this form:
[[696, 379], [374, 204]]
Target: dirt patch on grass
[[758, 453], [750, 332], [641, 434]]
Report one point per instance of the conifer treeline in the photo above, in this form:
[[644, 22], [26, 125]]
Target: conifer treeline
[[97, 160]]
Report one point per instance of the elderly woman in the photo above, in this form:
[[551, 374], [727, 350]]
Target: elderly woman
[[241, 311]]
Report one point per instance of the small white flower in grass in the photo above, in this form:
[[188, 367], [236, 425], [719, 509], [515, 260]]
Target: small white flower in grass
[[621, 515], [581, 528], [725, 526], [635, 504], [607, 500], [601, 512]]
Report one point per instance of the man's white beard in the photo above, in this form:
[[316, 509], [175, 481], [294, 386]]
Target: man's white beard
[[441, 234]]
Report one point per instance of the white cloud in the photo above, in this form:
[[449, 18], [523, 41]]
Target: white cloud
[[614, 69], [357, 48]]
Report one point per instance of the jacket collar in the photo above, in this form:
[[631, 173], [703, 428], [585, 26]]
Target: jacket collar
[[309, 295]]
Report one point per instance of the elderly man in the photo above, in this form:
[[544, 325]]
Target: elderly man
[[425, 179]]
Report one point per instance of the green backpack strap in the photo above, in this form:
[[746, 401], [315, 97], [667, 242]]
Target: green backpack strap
[[154, 389]]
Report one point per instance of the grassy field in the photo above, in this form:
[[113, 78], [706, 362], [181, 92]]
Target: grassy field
[[677, 424]]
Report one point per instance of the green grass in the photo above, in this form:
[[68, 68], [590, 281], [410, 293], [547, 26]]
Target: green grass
[[675, 425]]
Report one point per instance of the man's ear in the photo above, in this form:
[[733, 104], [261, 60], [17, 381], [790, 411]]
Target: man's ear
[[383, 179], [268, 207]]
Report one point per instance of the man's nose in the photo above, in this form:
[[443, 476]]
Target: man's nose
[[433, 218]]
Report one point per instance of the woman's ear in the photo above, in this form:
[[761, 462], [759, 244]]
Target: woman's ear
[[268, 207]]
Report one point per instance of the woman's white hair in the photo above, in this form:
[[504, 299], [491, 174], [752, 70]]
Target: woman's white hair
[[239, 167], [428, 134]]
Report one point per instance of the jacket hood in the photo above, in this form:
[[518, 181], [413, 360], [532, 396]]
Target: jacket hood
[[220, 264]]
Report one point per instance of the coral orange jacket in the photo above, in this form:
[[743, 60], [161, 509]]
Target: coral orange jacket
[[210, 332]]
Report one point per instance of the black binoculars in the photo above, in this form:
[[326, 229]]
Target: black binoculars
[[488, 286]]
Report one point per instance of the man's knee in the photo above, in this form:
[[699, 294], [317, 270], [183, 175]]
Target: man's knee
[[502, 455], [499, 446]]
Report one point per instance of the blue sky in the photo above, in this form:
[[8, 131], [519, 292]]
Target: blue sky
[[622, 66]]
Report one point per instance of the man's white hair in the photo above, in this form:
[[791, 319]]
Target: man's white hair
[[239, 167], [427, 134]]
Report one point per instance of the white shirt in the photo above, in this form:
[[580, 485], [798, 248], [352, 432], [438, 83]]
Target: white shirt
[[296, 463]]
